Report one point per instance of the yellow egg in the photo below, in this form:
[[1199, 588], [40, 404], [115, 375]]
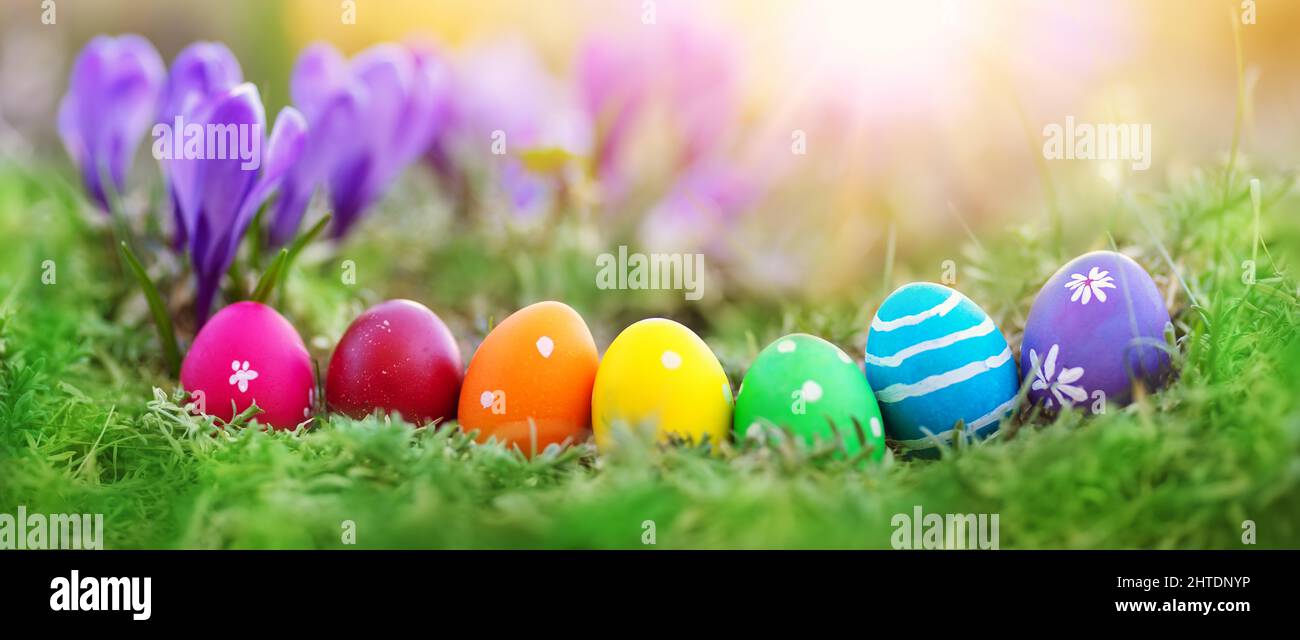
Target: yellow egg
[[659, 373]]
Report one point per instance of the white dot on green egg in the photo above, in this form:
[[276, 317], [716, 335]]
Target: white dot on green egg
[[845, 357], [811, 391], [545, 346], [670, 359], [785, 346], [875, 428]]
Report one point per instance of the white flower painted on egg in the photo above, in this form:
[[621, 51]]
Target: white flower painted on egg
[[1087, 287], [1062, 386], [242, 375]]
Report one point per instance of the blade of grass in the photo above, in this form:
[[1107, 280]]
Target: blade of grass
[[266, 284], [161, 320], [297, 246]]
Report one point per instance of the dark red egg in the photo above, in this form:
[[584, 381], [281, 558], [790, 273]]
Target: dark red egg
[[397, 357]]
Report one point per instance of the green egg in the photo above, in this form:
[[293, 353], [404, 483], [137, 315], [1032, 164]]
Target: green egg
[[811, 389]]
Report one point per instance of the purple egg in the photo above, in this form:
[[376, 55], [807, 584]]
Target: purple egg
[[1095, 329]]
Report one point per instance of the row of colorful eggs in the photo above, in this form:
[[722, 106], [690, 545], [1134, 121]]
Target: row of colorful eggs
[[934, 360]]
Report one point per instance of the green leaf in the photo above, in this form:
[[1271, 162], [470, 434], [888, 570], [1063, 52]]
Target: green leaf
[[279, 268], [300, 243], [270, 277], [161, 320]]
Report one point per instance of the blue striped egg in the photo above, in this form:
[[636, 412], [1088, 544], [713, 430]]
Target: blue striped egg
[[933, 358]]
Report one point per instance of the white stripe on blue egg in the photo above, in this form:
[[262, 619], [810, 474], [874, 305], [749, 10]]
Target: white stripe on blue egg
[[933, 358]]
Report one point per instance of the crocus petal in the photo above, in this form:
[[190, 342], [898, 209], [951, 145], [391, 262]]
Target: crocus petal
[[113, 96], [369, 118], [613, 87], [428, 104], [288, 139], [386, 73], [331, 136], [200, 70], [320, 72], [223, 184]]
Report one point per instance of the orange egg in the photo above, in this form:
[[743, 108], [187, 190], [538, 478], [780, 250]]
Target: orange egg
[[529, 383]]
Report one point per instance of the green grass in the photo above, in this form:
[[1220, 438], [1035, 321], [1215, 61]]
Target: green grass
[[89, 422]]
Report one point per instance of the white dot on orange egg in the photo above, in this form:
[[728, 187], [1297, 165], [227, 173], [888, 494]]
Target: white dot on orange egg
[[545, 346]]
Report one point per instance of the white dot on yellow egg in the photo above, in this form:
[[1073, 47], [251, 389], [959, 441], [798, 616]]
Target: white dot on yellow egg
[[671, 360]]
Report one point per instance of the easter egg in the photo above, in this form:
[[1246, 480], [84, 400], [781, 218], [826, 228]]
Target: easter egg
[[1095, 329], [529, 384], [248, 353], [813, 389], [659, 373], [399, 357], [934, 357]]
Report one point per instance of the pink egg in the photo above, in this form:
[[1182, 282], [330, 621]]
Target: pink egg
[[249, 353]]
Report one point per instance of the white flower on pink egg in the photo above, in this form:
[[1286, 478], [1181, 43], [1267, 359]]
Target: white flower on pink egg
[[1087, 287], [242, 375]]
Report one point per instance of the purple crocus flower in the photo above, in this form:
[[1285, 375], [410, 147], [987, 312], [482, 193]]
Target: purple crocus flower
[[113, 96], [370, 118], [700, 210], [508, 106], [684, 70], [613, 82], [200, 72], [218, 194]]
